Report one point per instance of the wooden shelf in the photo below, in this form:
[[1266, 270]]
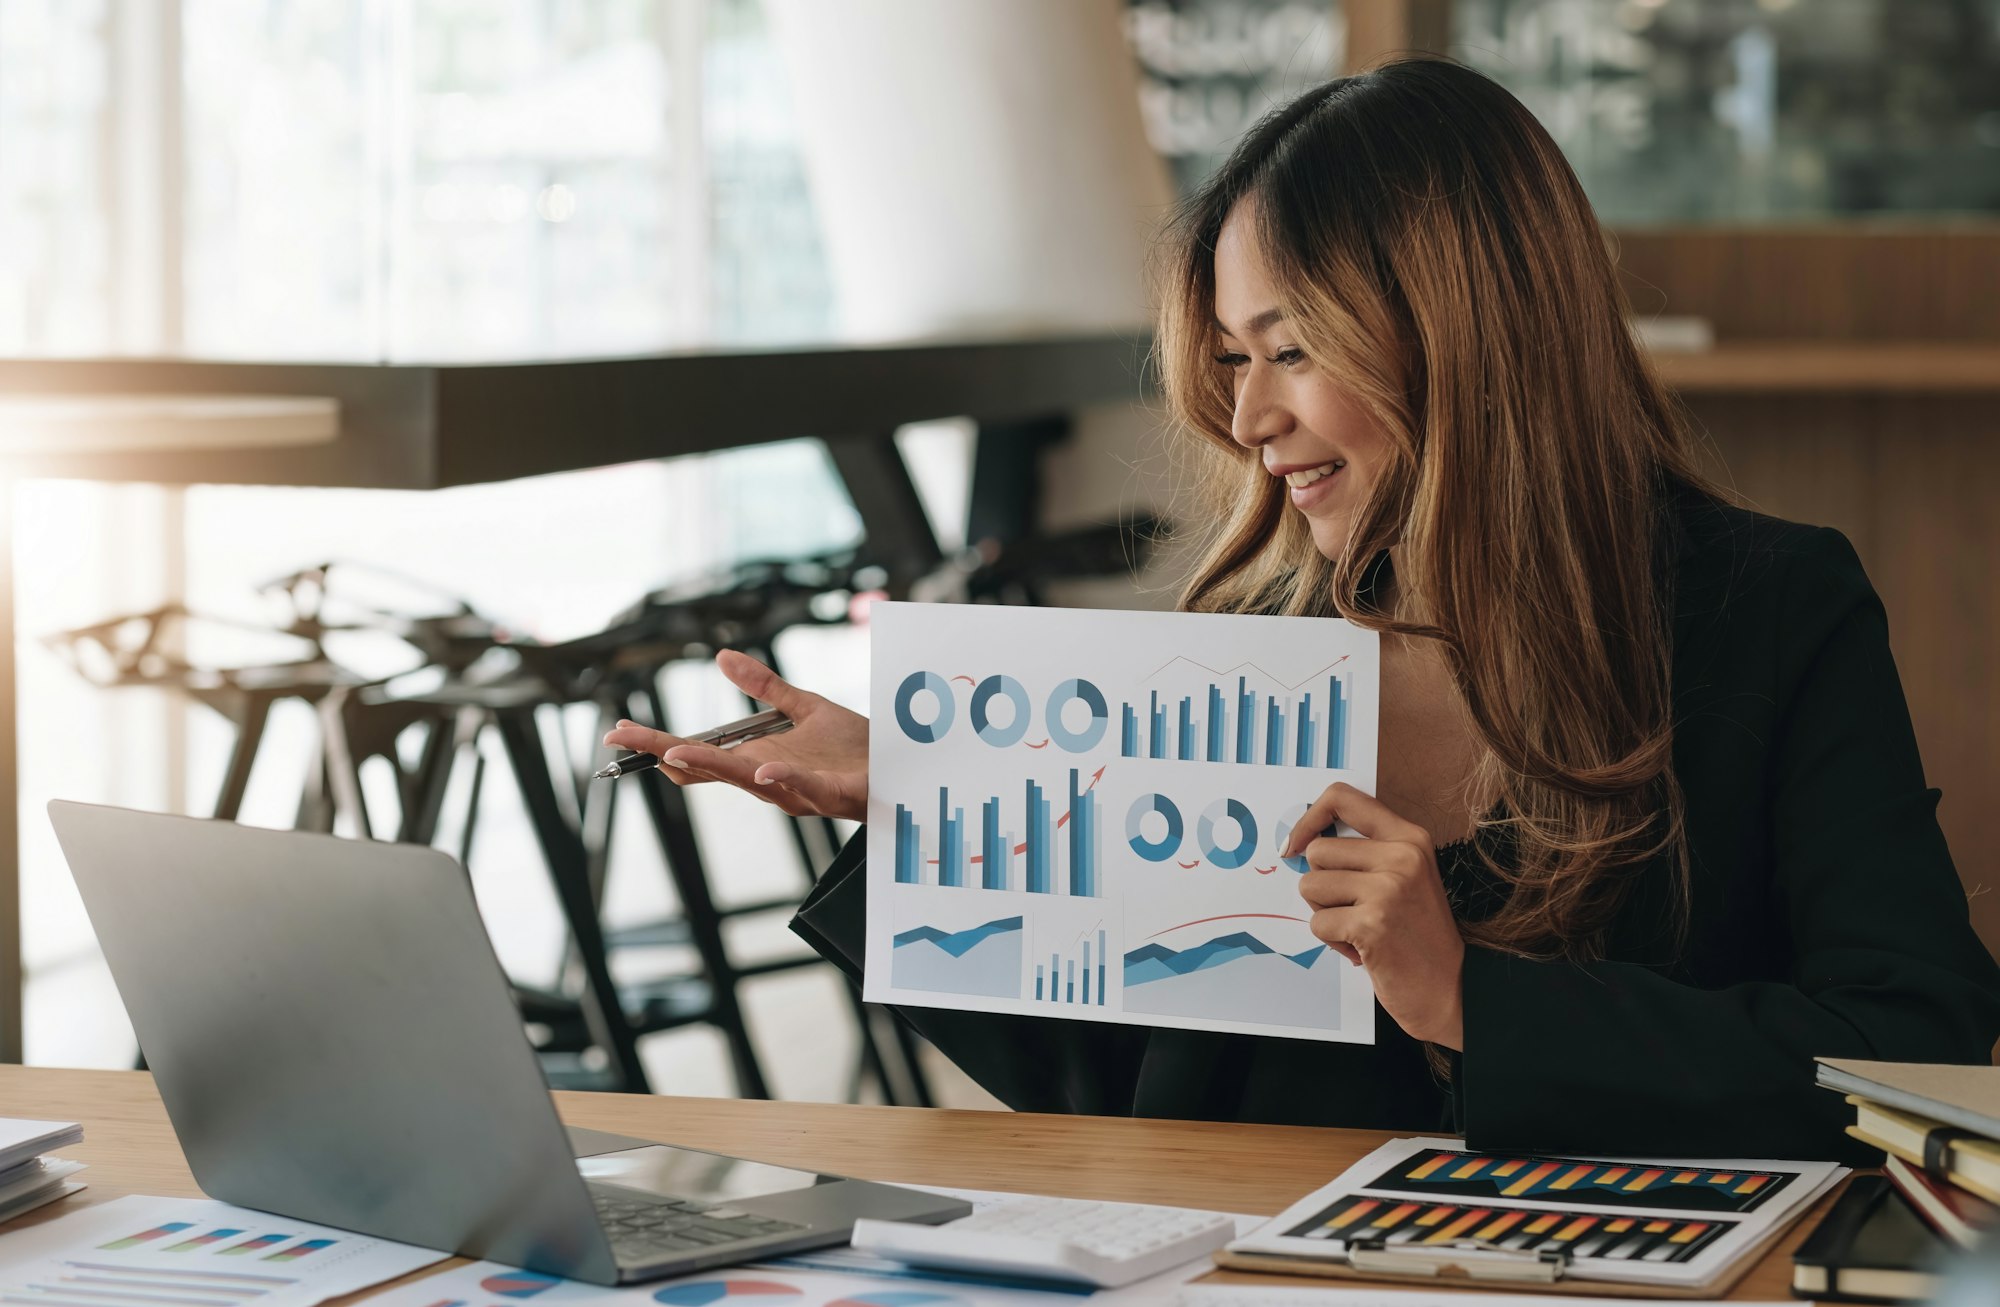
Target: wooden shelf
[[1886, 367]]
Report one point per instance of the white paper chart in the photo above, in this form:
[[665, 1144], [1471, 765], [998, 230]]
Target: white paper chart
[[190, 1252], [1079, 814]]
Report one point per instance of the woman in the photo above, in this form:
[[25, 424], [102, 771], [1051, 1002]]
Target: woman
[[1651, 833]]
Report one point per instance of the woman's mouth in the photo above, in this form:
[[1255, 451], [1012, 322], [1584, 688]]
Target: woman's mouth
[[1312, 485]]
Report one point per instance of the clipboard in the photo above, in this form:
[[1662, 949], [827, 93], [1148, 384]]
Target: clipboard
[[1467, 1264]]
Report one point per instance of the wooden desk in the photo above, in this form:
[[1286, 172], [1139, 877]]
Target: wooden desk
[[131, 1149]]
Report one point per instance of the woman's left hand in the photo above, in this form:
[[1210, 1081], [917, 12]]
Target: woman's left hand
[[1380, 902]]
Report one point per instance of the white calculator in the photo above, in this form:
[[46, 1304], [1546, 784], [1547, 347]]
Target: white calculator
[[1105, 1244]]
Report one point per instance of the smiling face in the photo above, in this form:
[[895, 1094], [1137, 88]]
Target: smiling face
[[1304, 427]]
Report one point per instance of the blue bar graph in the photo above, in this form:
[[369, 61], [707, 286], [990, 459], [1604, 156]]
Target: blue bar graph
[[908, 853], [1057, 982], [1041, 858], [1336, 732], [1056, 842], [951, 842], [996, 848], [1082, 839], [1246, 721], [1221, 726]]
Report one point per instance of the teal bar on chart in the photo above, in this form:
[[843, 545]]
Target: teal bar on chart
[[907, 851], [1246, 721], [994, 849]]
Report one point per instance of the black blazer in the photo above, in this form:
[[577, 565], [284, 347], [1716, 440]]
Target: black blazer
[[1825, 919]]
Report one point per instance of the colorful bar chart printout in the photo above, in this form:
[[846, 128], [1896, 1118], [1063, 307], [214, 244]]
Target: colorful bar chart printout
[[1122, 784], [1441, 1172]]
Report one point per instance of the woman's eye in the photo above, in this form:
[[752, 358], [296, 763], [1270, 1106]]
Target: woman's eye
[[1289, 356], [1228, 360]]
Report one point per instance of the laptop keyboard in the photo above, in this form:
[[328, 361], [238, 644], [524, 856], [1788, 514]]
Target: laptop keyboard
[[644, 1227]]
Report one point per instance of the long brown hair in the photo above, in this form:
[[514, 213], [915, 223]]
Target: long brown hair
[[1438, 259]]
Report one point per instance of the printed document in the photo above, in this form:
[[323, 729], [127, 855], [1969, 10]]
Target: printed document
[[1080, 814]]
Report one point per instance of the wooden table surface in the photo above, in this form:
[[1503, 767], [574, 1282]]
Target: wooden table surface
[[1240, 1168]]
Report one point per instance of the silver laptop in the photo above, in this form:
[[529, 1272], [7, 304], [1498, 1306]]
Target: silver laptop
[[335, 1042]]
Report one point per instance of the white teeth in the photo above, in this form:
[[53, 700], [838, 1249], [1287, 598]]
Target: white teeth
[[1313, 474]]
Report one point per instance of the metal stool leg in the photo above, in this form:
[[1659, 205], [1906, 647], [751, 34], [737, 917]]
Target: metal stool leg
[[567, 862], [250, 720], [668, 808]]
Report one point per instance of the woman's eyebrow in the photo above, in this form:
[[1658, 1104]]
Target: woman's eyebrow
[[1257, 326]]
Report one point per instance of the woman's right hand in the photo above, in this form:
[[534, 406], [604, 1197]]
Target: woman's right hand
[[819, 768]]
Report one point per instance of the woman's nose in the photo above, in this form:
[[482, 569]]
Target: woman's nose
[[1260, 416]]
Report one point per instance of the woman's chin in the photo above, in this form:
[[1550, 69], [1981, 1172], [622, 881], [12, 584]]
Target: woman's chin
[[1329, 535]]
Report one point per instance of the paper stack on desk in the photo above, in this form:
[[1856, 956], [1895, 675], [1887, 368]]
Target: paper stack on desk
[[28, 1179]]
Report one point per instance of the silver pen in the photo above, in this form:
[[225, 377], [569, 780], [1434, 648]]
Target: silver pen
[[726, 736]]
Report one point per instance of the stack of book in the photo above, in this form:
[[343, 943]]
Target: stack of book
[[27, 1178], [1940, 1194]]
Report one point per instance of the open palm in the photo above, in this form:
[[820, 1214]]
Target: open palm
[[818, 768]]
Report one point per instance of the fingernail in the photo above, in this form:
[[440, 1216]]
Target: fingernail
[[673, 762]]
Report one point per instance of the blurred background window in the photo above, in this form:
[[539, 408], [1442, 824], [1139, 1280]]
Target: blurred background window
[[1724, 111], [1210, 68], [330, 181]]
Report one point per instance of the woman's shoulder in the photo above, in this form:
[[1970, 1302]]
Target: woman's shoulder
[[1761, 594], [1726, 555]]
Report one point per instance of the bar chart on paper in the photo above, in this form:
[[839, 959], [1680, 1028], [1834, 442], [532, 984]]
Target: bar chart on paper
[[1077, 973], [1058, 849], [137, 1251], [1083, 815], [1226, 722]]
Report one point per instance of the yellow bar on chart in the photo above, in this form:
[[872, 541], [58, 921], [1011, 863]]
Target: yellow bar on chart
[[1458, 1227], [1425, 1171], [1572, 1175], [1529, 1180]]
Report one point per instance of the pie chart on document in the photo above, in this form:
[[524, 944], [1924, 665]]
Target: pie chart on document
[[738, 1293], [519, 1284]]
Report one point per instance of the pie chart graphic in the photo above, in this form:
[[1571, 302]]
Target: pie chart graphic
[[519, 1284], [899, 1298], [741, 1293]]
